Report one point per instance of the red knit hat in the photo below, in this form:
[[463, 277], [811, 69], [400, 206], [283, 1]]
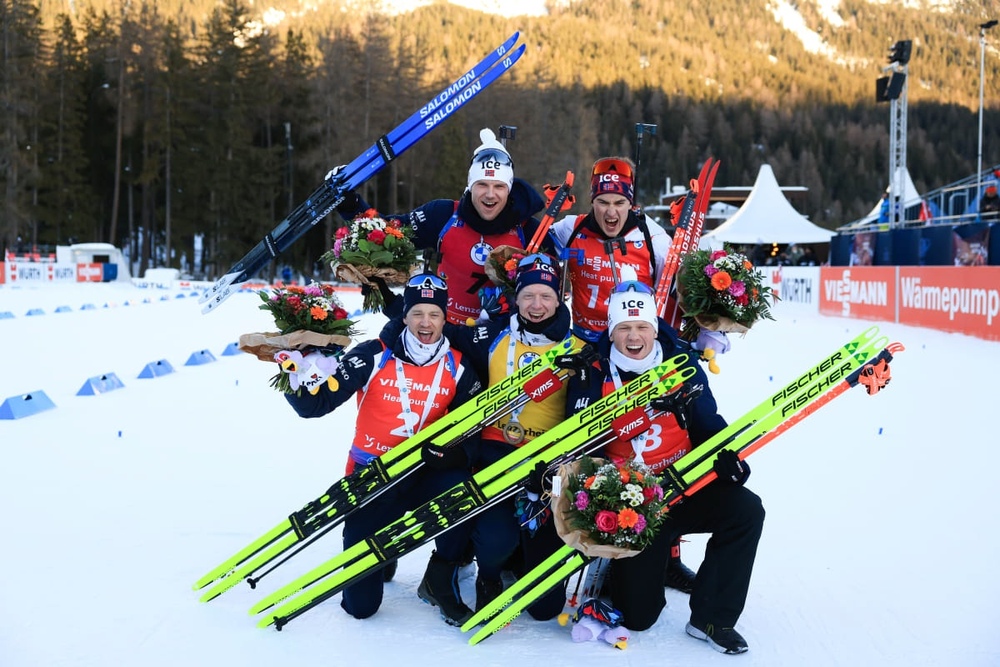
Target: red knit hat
[[612, 175]]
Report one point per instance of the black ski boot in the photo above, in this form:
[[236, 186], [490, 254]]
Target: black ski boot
[[487, 591], [439, 588], [678, 575], [389, 571]]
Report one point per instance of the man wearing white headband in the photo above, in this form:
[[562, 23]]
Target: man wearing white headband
[[496, 209], [637, 341]]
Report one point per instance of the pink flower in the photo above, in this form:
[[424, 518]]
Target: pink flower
[[606, 521], [376, 236], [338, 246], [738, 288], [582, 500], [710, 270], [651, 493], [640, 525], [341, 233], [313, 290], [717, 254]]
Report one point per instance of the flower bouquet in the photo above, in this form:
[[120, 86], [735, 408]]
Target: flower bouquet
[[371, 246], [501, 266], [310, 319], [720, 290], [608, 510]]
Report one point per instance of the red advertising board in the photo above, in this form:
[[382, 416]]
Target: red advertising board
[[862, 292], [962, 299], [89, 273]]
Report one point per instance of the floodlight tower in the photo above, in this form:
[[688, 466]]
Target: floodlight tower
[[983, 27], [892, 88]]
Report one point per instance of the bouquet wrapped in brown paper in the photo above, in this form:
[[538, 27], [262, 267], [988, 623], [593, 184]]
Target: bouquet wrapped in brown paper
[[313, 326], [720, 290], [606, 510], [371, 246]]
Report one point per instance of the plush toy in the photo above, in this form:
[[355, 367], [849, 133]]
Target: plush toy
[[309, 371], [597, 620]]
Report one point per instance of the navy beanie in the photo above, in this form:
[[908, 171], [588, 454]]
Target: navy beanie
[[425, 288], [541, 271]]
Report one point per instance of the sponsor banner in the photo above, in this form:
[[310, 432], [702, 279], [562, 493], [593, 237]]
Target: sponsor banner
[[27, 272], [89, 273], [796, 288], [962, 299], [861, 292], [61, 273], [49, 272]]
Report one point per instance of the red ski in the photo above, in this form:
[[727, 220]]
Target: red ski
[[688, 224]]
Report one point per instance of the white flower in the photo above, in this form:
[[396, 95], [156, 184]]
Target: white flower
[[632, 495]]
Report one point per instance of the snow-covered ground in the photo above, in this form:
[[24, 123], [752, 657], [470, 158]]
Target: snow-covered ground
[[878, 547]]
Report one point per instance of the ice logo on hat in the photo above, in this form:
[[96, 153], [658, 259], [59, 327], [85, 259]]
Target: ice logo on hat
[[491, 161]]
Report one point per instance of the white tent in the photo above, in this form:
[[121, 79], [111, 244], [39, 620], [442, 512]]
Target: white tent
[[766, 217]]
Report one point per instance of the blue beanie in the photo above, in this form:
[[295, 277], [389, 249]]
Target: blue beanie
[[425, 288], [537, 269]]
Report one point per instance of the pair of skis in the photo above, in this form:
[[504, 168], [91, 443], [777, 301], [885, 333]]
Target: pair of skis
[[689, 223], [387, 148], [587, 429], [534, 382], [854, 363]]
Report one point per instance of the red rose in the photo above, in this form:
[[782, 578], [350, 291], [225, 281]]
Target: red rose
[[376, 236], [606, 521], [339, 314], [341, 232]]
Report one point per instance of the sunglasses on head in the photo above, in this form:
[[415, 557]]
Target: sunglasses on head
[[427, 281], [632, 286], [493, 155], [535, 260], [613, 165]]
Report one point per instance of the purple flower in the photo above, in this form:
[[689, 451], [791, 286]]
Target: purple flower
[[582, 500], [710, 270], [737, 288], [338, 245], [640, 524], [313, 290]]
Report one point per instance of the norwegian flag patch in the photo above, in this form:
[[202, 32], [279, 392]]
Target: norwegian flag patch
[[426, 294], [633, 312]]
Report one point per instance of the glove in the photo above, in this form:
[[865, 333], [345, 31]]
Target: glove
[[377, 282], [444, 458], [678, 401], [332, 174], [539, 480], [531, 513], [730, 468], [495, 301], [580, 362]]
